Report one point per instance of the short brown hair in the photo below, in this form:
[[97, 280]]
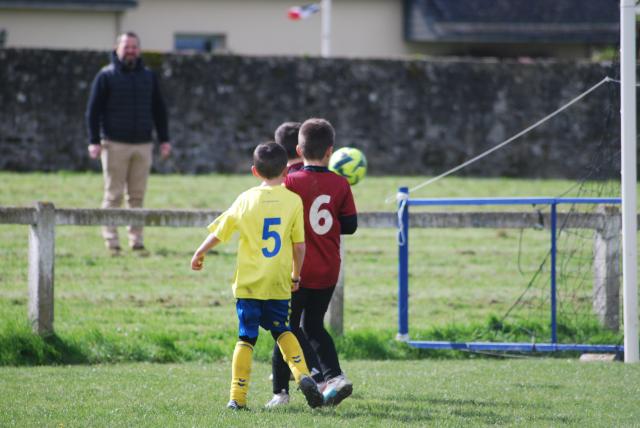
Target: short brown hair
[[315, 137], [270, 159], [127, 34], [287, 136]]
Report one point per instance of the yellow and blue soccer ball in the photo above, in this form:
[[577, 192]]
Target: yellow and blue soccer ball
[[349, 163]]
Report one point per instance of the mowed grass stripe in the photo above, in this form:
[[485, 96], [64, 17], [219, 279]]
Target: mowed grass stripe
[[527, 392]]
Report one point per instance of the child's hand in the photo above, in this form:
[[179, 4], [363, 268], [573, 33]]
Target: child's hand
[[295, 284], [197, 262]]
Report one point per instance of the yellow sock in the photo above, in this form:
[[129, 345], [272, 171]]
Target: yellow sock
[[241, 372], [292, 354]]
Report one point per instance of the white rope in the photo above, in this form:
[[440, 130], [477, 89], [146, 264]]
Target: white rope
[[511, 139], [618, 81], [402, 199]]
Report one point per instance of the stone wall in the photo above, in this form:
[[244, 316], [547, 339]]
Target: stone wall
[[409, 117]]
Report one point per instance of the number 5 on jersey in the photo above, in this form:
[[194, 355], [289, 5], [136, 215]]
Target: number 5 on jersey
[[267, 234]]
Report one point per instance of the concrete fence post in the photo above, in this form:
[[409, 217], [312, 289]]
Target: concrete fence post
[[336, 306], [41, 262], [606, 268]]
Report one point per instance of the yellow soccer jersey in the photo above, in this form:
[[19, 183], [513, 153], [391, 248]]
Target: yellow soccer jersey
[[269, 220]]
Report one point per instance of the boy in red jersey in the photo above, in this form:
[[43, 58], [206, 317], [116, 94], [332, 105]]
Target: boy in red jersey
[[329, 211], [287, 136]]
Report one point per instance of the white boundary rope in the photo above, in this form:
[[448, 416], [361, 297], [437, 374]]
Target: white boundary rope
[[511, 139], [618, 81], [402, 201]]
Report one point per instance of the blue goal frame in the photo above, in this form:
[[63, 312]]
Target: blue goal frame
[[404, 202]]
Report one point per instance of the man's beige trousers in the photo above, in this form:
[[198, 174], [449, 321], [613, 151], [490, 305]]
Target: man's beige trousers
[[125, 168]]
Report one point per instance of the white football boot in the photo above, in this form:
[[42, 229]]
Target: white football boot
[[337, 389], [279, 399]]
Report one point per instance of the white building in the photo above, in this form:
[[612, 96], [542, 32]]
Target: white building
[[371, 28], [360, 28]]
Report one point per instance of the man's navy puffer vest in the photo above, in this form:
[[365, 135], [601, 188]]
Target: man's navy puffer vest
[[127, 114]]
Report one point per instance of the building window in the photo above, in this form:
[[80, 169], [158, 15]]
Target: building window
[[209, 43]]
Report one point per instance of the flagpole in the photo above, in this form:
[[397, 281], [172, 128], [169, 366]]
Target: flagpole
[[325, 46]]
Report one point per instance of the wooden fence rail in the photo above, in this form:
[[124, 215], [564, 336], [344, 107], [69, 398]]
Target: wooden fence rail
[[44, 217]]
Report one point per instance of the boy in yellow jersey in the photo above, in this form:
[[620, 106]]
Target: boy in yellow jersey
[[271, 250]]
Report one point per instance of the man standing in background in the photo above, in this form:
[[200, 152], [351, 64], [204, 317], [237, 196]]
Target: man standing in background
[[124, 105]]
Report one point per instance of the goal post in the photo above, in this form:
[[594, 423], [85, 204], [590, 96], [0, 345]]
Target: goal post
[[629, 177], [404, 219]]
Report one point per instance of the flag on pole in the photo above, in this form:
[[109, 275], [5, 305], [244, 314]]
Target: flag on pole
[[296, 13]]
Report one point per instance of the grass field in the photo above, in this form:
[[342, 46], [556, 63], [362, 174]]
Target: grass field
[[532, 393], [156, 309], [133, 311]]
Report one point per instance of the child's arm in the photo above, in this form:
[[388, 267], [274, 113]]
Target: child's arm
[[298, 258], [198, 257], [348, 215], [348, 224]]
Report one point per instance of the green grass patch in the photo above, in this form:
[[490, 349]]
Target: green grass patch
[[156, 309], [412, 393], [19, 346]]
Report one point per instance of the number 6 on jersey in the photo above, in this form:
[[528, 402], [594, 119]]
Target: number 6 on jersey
[[320, 219]]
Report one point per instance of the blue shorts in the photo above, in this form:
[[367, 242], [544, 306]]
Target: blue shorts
[[272, 315]]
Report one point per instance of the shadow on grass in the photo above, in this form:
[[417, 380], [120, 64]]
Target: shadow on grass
[[550, 386], [20, 347], [428, 410], [356, 409], [91, 344], [424, 410]]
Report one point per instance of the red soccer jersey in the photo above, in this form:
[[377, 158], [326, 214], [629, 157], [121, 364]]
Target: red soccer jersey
[[326, 197], [295, 167]]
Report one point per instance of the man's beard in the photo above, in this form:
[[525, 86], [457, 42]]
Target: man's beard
[[129, 61]]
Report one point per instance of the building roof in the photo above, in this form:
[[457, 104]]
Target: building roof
[[108, 5], [512, 21]]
